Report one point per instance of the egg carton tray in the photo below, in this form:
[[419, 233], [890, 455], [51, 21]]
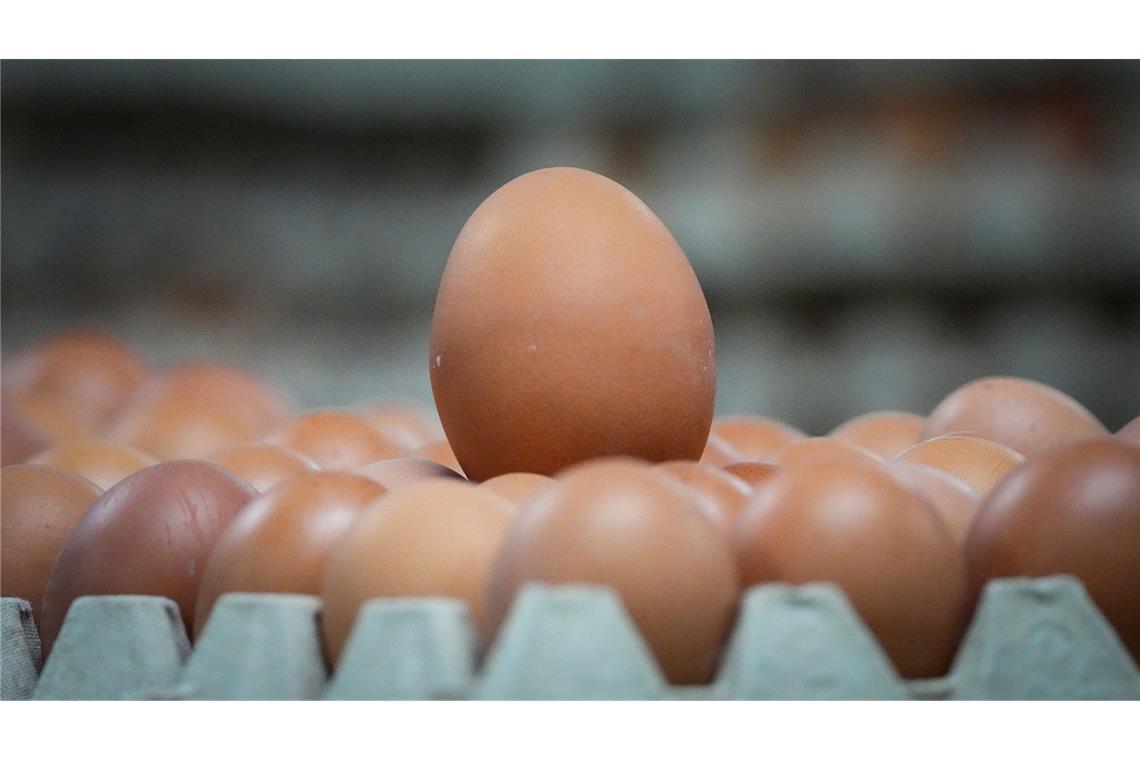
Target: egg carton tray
[[1030, 639]]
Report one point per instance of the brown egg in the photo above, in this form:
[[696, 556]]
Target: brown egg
[[88, 376], [755, 474], [851, 523], [726, 491], [407, 426], [884, 433], [809, 449], [517, 487], [431, 538], [393, 473], [1074, 509], [977, 462], [196, 410], [50, 420], [569, 325], [956, 502], [263, 465], [629, 527], [1025, 416], [1130, 432], [280, 543], [755, 438], [441, 453], [39, 505], [336, 440], [20, 438], [149, 534], [102, 462], [718, 453]]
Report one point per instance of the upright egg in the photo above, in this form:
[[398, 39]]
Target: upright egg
[[1074, 509], [151, 533], [102, 462], [39, 506], [336, 440], [623, 525], [569, 325], [263, 465], [1022, 414], [281, 541], [883, 433]]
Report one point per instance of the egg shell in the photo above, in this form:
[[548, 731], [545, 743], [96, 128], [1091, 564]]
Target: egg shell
[[636, 530], [569, 325], [957, 502], [429, 538], [718, 453], [755, 474], [851, 523], [102, 462], [441, 453], [886, 434], [49, 420], [392, 473], [281, 541], [149, 534], [1074, 509], [820, 448], [755, 438], [20, 438], [517, 487], [405, 425], [1022, 414], [39, 506], [977, 462], [336, 440], [1130, 432], [263, 465], [726, 491]]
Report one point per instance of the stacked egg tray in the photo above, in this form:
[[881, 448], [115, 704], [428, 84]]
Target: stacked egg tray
[[1030, 639]]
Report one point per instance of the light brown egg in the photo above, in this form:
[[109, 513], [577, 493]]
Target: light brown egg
[[151, 534], [336, 440], [886, 434], [441, 453], [808, 449], [263, 465], [754, 438], [39, 505], [569, 325], [726, 491], [88, 376], [1024, 415], [20, 438], [755, 474], [1074, 509], [1130, 432], [977, 462], [851, 523], [50, 420], [405, 425], [956, 502], [430, 538], [517, 487], [636, 530], [718, 453], [281, 541], [196, 410], [102, 462], [393, 473]]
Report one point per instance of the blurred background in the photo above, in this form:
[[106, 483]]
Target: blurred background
[[868, 235]]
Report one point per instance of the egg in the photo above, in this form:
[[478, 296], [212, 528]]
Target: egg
[[49, 420], [336, 440], [20, 438], [405, 425], [1024, 415], [517, 487], [151, 533], [430, 538], [1130, 432], [755, 474], [39, 505], [978, 462], [392, 473], [281, 541], [89, 376], [754, 438], [726, 491], [884, 433], [197, 409], [808, 449], [441, 453], [263, 465], [718, 453], [955, 501], [102, 462], [851, 523], [1074, 509], [623, 525], [569, 325]]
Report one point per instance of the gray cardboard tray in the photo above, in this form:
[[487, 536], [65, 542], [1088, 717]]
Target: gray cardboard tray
[[1029, 639]]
